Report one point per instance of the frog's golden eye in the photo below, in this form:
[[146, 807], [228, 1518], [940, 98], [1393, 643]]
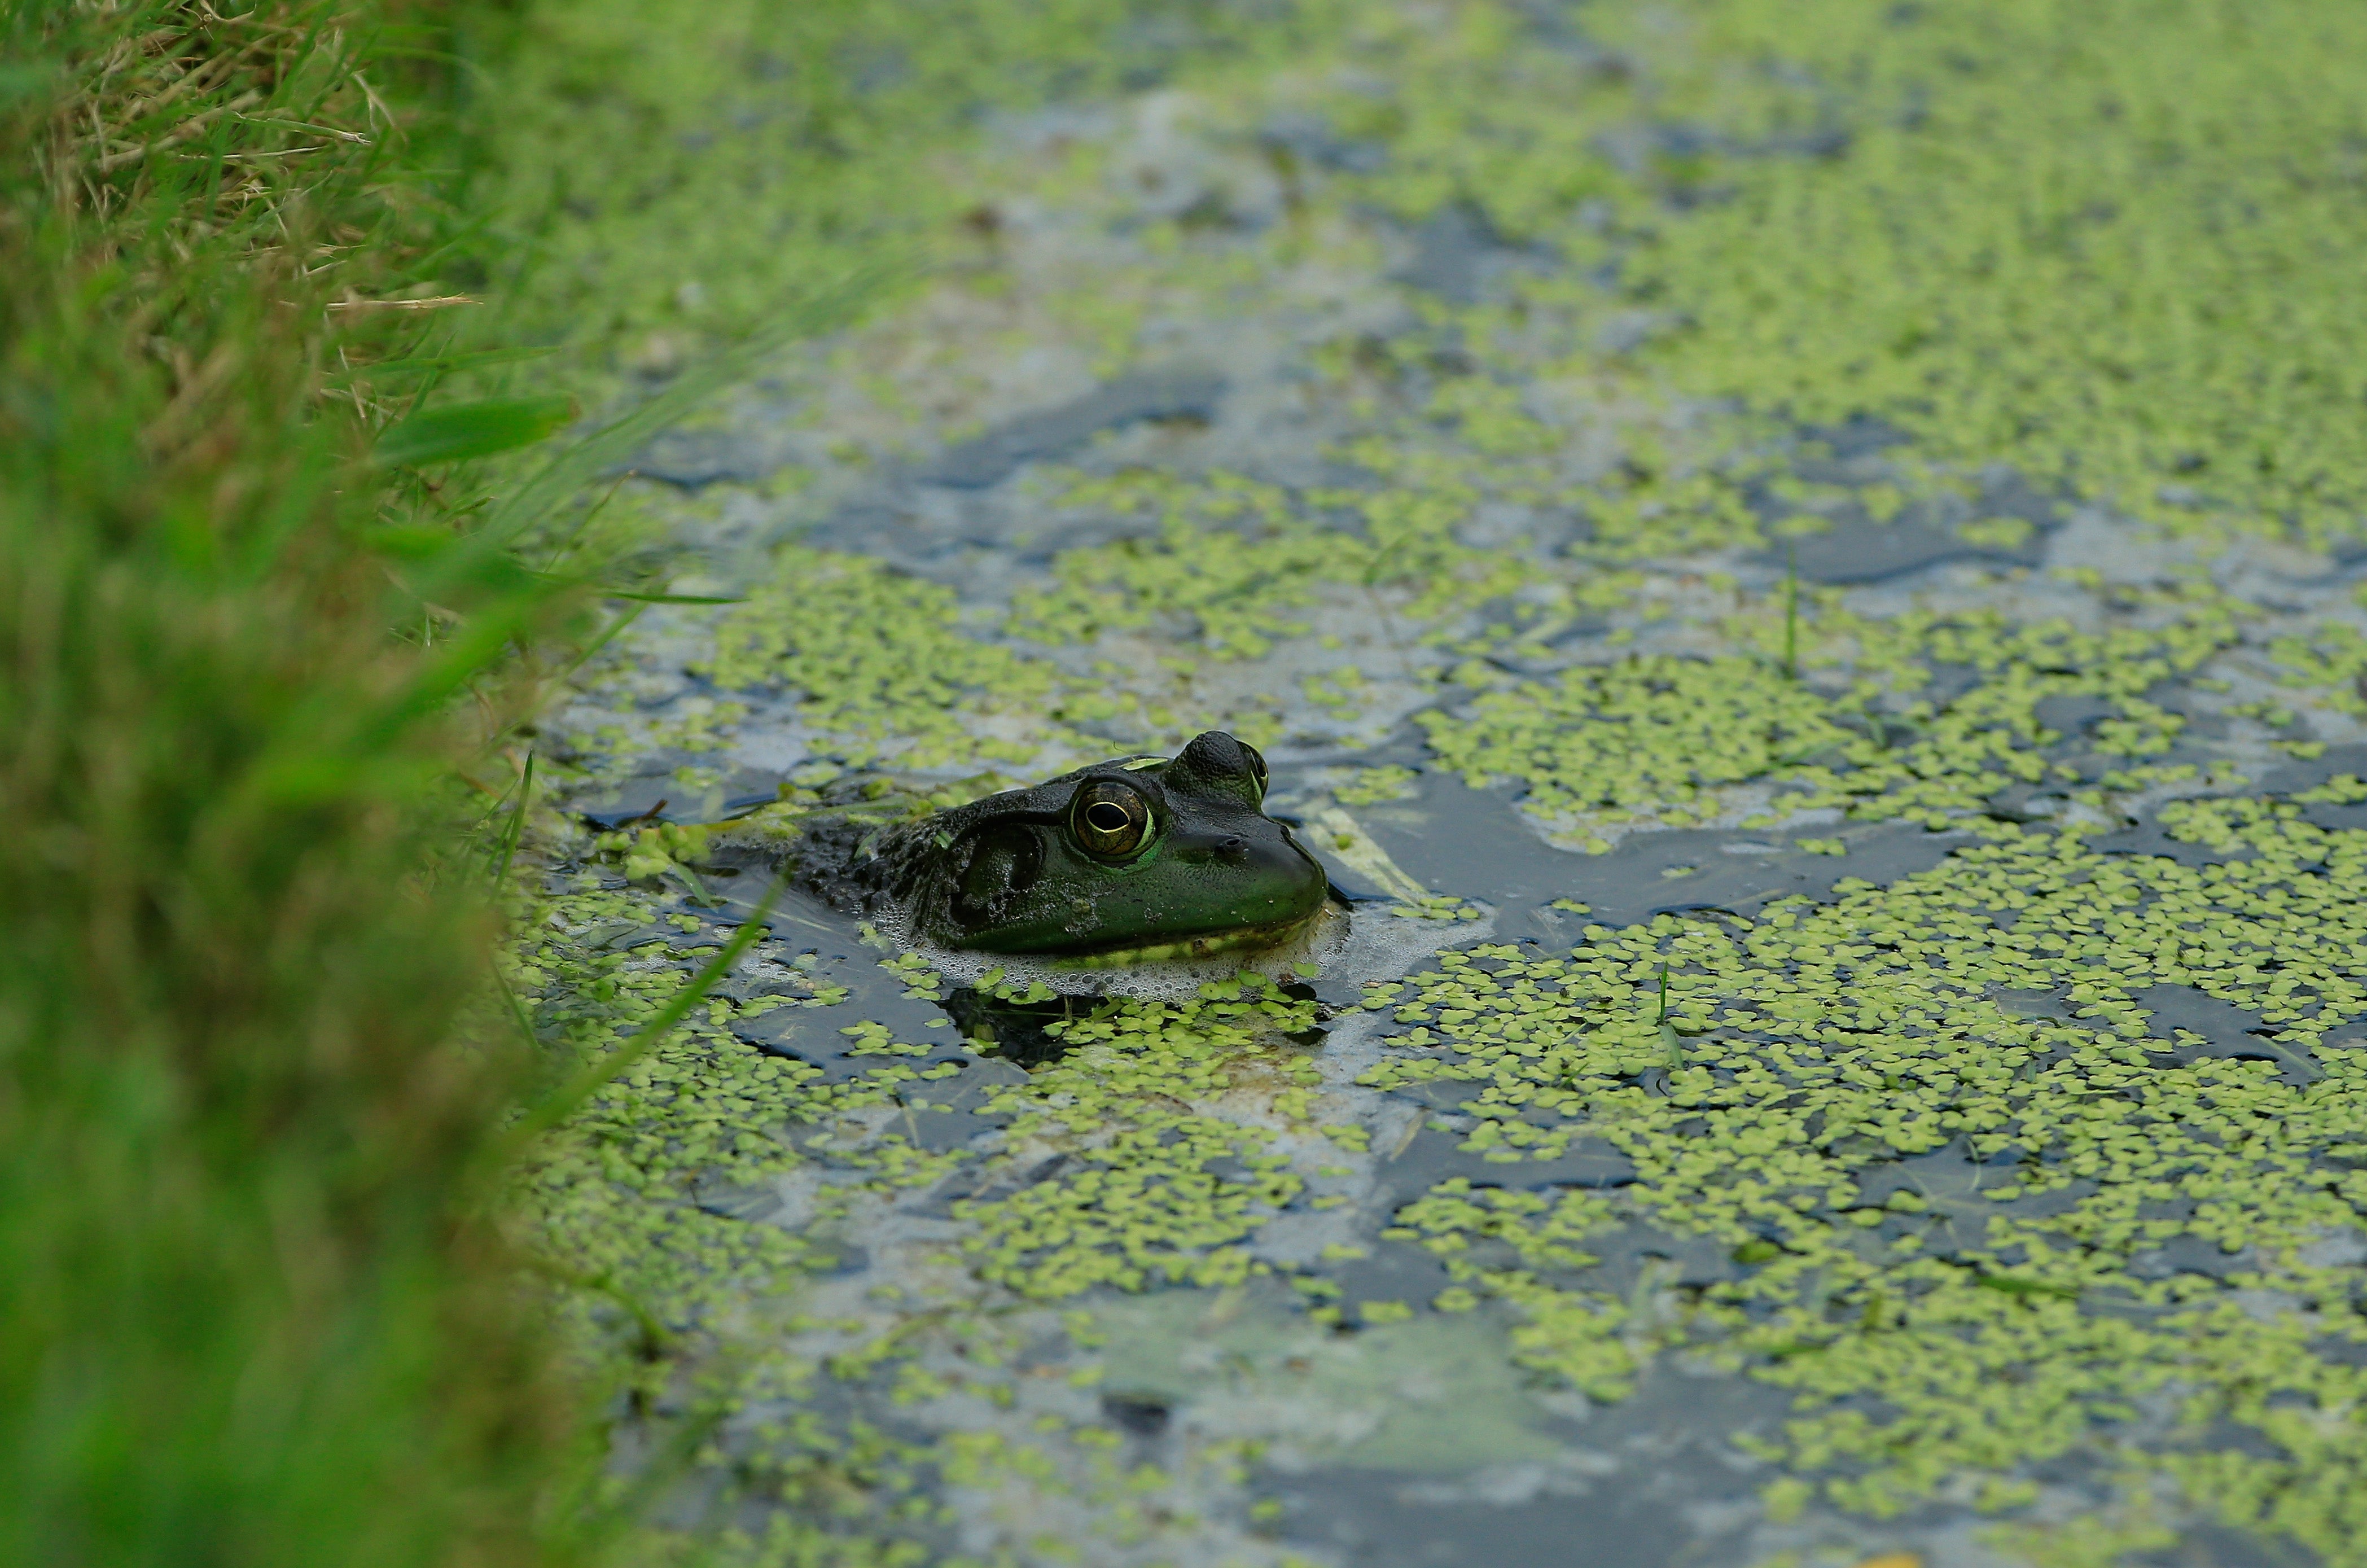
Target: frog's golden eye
[[1109, 818], [1257, 765]]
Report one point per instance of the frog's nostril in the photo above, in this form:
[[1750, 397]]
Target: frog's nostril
[[1234, 846]]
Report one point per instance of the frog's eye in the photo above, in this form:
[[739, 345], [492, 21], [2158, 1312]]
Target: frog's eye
[[1110, 818], [1257, 765]]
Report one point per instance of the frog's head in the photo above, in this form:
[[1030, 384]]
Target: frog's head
[[1127, 860]]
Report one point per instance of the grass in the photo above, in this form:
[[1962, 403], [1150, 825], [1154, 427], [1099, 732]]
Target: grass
[[251, 1316]]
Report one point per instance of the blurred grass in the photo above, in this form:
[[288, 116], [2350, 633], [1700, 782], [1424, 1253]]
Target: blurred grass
[[248, 1317]]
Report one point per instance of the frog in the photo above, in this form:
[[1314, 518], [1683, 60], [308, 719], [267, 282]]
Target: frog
[[1133, 860]]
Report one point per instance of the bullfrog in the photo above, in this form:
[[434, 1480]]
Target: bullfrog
[[1138, 859]]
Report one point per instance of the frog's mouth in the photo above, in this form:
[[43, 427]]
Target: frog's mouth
[[1183, 949]]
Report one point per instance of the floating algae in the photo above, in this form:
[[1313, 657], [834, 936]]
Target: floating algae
[[1998, 1203]]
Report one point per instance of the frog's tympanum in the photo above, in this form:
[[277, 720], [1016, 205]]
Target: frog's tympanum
[[1129, 860]]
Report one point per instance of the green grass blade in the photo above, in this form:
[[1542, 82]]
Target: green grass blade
[[570, 1097], [463, 431]]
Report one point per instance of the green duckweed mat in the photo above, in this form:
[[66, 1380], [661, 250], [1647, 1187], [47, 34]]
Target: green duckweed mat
[[1801, 565]]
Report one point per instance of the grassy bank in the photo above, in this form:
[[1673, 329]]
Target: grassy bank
[[246, 1318]]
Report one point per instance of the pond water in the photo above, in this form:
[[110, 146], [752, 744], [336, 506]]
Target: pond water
[[1844, 1035]]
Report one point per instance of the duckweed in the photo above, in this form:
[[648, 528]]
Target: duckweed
[[616, 1188], [812, 128], [1370, 786], [1942, 1198], [1663, 738], [1133, 1201], [1236, 560], [1909, 215], [818, 630], [1971, 1198], [882, 666]]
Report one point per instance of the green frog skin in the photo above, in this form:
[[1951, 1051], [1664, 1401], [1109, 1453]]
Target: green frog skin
[[1132, 860]]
